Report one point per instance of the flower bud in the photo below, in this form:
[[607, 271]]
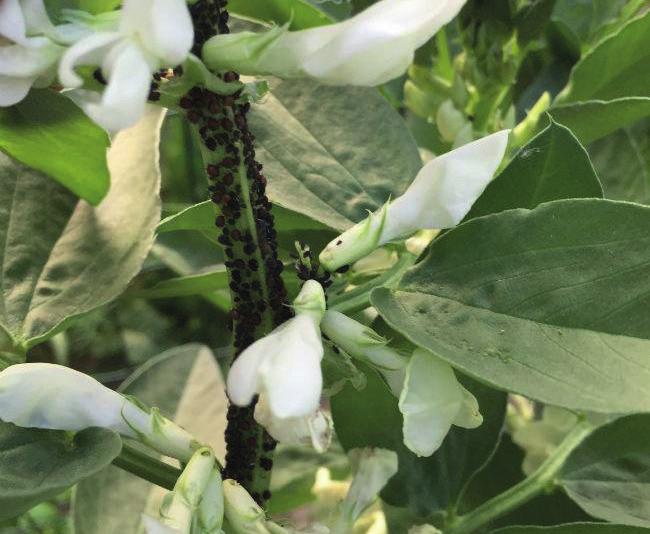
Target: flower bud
[[440, 196], [179, 506]]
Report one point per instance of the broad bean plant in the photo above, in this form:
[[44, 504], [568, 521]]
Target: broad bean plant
[[352, 266]]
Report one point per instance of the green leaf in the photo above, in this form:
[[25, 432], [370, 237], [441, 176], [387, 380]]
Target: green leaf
[[333, 152], [619, 66], [49, 133], [623, 160], [594, 119], [194, 284], [61, 257], [186, 384], [553, 166], [370, 417], [36, 465], [607, 475], [551, 303], [291, 226], [298, 13], [575, 528]]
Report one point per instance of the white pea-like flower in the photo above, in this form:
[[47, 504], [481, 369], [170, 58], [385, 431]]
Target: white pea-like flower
[[368, 49], [431, 399], [439, 197], [30, 47], [49, 396], [151, 34], [284, 366]]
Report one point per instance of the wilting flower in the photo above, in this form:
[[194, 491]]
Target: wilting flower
[[431, 399], [368, 49], [151, 34], [42, 395], [284, 366], [314, 429], [439, 197], [31, 49]]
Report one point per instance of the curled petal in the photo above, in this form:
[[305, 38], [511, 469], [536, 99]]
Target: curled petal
[[371, 48], [313, 430], [124, 100], [430, 402], [469, 415], [89, 51], [441, 195]]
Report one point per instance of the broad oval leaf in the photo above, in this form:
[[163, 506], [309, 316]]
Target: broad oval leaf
[[36, 465], [607, 475], [552, 166], [62, 257], [49, 133], [333, 152], [551, 303], [186, 384], [619, 66]]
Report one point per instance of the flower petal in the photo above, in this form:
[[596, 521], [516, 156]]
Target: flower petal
[[292, 374], [41, 395], [430, 402], [371, 48], [446, 188], [442, 194], [36, 17], [12, 21], [243, 378], [13, 90], [171, 33], [469, 415], [124, 99], [313, 430], [89, 51], [35, 57]]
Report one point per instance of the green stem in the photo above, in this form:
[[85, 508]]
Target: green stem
[[523, 492], [444, 59], [144, 466], [358, 298]]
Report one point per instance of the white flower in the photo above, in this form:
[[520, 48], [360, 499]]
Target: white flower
[[151, 34], [433, 400], [430, 397], [42, 395], [313, 430], [368, 49], [30, 56], [285, 365], [439, 197]]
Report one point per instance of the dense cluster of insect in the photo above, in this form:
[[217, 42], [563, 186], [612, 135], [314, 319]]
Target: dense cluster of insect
[[237, 186]]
